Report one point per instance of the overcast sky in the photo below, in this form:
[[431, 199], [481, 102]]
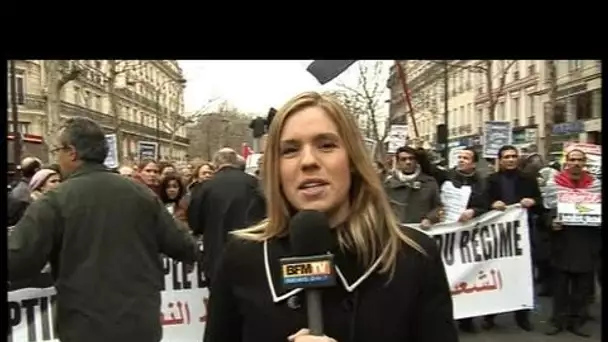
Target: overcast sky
[[251, 86]]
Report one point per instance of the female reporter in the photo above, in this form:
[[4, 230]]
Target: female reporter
[[391, 283]]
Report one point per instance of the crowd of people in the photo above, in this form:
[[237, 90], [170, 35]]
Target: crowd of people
[[103, 231]]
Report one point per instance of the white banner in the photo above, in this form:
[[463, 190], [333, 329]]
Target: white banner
[[488, 263], [183, 310]]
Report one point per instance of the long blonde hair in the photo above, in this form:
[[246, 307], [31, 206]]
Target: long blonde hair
[[373, 229]]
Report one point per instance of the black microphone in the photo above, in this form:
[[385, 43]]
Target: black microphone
[[312, 265]]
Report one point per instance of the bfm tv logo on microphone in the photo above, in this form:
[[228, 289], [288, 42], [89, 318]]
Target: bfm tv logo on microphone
[[308, 272]]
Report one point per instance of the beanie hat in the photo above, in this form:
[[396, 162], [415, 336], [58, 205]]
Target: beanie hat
[[40, 178]]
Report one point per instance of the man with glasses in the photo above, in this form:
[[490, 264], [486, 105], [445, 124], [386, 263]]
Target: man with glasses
[[102, 234]]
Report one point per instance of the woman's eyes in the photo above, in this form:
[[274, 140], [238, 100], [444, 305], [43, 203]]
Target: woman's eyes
[[324, 146]]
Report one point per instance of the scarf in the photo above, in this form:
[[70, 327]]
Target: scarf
[[407, 178]]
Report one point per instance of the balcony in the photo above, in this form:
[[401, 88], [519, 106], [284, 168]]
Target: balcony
[[35, 102]]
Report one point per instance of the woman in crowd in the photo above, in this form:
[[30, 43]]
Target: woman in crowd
[[172, 192], [148, 174], [165, 169], [202, 173], [391, 284], [43, 181]]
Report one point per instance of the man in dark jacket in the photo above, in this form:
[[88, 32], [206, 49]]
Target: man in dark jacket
[[103, 235], [29, 167], [508, 185], [228, 201]]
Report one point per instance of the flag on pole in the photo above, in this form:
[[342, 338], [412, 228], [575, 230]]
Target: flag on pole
[[326, 70]]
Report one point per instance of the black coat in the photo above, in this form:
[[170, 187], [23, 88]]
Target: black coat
[[102, 234], [525, 187], [247, 303], [228, 201]]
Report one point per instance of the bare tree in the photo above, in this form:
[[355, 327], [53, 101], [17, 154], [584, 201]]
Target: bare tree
[[486, 68], [354, 107], [226, 127], [367, 96], [57, 74], [173, 122]]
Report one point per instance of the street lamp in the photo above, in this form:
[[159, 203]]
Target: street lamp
[[180, 81]]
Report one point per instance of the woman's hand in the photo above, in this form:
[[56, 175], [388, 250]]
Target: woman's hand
[[304, 336]]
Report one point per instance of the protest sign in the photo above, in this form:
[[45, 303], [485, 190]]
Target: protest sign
[[455, 200], [147, 150], [112, 156], [183, 310], [496, 134], [488, 263], [593, 153]]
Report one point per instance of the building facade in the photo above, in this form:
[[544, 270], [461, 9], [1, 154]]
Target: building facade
[[520, 91], [142, 88]]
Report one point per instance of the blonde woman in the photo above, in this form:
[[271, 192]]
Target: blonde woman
[[392, 284]]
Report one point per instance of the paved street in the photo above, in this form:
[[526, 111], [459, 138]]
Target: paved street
[[507, 331]]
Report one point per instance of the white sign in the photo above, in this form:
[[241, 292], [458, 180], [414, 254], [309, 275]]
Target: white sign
[[579, 208], [488, 263], [455, 200], [147, 150], [397, 137], [112, 157], [183, 310], [496, 134]]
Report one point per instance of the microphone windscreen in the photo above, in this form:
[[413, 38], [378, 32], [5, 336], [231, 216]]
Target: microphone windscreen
[[309, 233], [326, 70]]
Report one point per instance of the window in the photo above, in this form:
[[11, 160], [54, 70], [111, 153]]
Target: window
[[468, 85], [23, 127], [574, 64], [479, 116], [97, 102], [77, 96], [469, 119], [87, 98], [500, 113], [583, 106], [532, 105], [515, 109], [19, 87], [531, 68], [461, 118], [559, 115], [98, 64], [461, 81]]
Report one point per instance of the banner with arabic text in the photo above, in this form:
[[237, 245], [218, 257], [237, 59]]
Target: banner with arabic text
[[183, 312], [488, 263]]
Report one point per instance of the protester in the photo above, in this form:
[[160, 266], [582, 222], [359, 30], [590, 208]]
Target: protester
[[315, 159], [103, 235], [166, 169], [506, 186], [148, 175], [172, 192], [29, 167], [222, 204], [414, 195], [126, 171], [42, 182], [575, 252]]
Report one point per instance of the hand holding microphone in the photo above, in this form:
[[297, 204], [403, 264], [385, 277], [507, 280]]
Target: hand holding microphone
[[311, 268], [305, 336]]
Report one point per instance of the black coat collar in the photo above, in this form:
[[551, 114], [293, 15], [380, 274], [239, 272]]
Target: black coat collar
[[348, 271]]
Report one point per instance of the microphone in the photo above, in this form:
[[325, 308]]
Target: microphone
[[312, 266]]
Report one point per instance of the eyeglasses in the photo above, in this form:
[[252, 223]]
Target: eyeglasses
[[57, 149]]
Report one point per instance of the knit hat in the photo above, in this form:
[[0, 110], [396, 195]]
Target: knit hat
[[40, 178]]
